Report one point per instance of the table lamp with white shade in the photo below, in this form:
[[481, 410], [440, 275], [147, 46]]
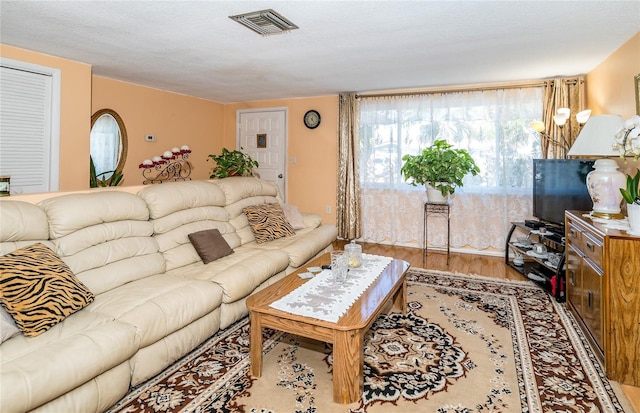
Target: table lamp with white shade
[[597, 138]]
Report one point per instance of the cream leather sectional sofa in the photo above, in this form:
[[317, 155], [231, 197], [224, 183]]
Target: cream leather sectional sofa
[[154, 298]]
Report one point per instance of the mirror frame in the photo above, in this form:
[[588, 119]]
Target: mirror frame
[[123, 137]]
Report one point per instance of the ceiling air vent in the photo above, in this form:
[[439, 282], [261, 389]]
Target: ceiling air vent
[[265, 22]]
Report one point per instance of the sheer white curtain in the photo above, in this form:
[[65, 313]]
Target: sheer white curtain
[[493, 125]]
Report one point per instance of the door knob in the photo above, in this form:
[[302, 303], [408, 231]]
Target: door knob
[[280, 176]]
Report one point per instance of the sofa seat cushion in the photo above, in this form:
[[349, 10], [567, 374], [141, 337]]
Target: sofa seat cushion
[[158, 305], [36, 370], [303, 246], [237, 274]]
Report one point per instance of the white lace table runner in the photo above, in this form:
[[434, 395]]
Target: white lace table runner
[[323, 299]]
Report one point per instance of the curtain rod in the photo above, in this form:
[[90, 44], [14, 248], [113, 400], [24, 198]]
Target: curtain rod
[[540, 83]]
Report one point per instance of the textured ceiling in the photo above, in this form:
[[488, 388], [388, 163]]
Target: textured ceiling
[[195, 49]]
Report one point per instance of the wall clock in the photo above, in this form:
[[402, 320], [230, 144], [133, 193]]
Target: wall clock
[[312, 119]]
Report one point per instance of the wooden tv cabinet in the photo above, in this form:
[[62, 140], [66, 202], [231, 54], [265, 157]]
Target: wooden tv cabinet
[[603, 293]]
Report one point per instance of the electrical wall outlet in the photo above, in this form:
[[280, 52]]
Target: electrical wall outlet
[[328, 209], [149, 138]]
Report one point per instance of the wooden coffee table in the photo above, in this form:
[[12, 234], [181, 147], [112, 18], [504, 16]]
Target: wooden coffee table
[[347, 335]]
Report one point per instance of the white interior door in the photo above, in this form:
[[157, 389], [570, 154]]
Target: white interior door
[[29, 126], [263, 135]]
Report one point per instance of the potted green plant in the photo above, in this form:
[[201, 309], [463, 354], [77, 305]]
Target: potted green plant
[[439, 166], [631, 195], [98, 180], [232, 163]]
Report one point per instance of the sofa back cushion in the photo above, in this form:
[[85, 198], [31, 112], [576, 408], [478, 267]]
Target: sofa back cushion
[[243, 192], [181, 208], [22, 224], [105, 237]]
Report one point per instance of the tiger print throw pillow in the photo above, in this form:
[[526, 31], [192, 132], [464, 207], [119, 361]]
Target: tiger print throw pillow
[[267, 221], [38, 289]]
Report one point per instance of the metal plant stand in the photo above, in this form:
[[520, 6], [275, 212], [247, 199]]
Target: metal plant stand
[[437, 210]]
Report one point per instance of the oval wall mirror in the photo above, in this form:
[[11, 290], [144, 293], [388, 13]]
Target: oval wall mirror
[[108, 146]]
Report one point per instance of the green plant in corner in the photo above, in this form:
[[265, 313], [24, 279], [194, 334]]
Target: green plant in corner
[[95, 181], [440, 166], [232, 163], [631, 193]]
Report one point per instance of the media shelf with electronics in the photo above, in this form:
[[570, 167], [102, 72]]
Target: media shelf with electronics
[[558, 185], [537, 266]]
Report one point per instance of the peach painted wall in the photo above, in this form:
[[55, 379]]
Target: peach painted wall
[[75, 113], [610, 85], [174, 120], [311, 183], [208, 126]]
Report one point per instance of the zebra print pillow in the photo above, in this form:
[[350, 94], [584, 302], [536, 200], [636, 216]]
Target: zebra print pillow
[[38, 289], [267, 221]]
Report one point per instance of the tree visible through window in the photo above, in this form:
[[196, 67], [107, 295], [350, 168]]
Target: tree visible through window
[[492, 125]]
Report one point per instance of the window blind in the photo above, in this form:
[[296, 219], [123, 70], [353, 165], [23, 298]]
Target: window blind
[[25, 130]]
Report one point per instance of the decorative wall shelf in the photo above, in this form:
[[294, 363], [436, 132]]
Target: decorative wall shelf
[[171, 166]]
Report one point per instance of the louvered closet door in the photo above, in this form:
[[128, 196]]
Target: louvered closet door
[[25, 131]]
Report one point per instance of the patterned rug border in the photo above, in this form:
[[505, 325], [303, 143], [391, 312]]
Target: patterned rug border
[[484, 278], [607, 391], [593, 367], [234, 373]]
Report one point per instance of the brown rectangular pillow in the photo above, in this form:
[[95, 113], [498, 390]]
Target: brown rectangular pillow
[[210, 245]]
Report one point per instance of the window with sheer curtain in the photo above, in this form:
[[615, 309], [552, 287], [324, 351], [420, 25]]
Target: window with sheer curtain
[[493, 125]]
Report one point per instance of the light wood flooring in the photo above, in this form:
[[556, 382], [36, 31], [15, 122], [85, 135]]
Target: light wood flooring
[[489, 266], [468, 264]]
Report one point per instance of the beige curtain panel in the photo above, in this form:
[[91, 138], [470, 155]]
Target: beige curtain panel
[[561, 93], [348, 194]]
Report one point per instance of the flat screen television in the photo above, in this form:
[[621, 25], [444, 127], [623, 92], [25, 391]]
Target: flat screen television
[[559, 185]]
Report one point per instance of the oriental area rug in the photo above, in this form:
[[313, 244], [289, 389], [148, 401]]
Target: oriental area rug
[[467, 344]]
